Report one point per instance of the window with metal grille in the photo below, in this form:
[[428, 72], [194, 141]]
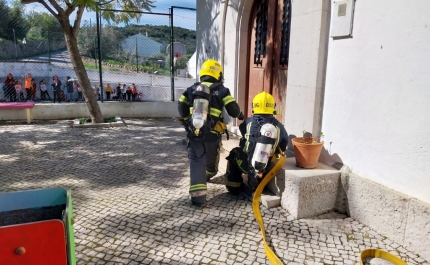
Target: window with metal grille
[[285, 39], [260, 32]]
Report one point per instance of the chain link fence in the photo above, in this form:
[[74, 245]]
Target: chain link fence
[[135, 53]]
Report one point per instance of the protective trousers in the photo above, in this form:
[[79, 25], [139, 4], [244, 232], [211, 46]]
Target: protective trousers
[[203, 156], [236, 166]]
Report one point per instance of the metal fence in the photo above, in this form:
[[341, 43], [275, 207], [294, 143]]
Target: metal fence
[[137, 53]]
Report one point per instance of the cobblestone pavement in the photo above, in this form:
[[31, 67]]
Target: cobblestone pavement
[[130, 197]]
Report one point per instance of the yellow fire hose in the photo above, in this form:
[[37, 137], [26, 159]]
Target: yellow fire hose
[[382, 254], [271, 256], [256, 208]]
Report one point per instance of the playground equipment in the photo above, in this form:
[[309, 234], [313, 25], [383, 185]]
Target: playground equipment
[[36, 227]]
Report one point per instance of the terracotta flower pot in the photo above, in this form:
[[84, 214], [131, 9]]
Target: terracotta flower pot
[[307, 151]]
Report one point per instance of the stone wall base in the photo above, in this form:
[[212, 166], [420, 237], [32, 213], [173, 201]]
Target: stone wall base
[[309, 192], [397, 216]]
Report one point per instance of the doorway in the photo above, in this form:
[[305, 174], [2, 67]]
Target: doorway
[[269, 42]]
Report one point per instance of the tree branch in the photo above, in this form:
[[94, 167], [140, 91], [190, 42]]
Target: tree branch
[[57, 7], [77, 23], [48, 7], [69, 9]]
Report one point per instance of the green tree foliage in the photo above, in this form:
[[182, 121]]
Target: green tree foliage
[[111, 42], [87, 40], [181, 62], [69, 15], [4, 21], [110, 38], [44, 26], [13, 24]]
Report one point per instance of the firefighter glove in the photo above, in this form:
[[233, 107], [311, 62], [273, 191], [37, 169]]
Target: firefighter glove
[[185, 124], [241, 116]]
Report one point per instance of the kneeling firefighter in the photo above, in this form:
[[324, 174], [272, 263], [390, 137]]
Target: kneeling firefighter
[[200, 108], [262, 134]]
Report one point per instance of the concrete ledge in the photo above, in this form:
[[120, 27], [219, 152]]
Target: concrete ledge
[[60, 111], [309, 192], [118, 123]]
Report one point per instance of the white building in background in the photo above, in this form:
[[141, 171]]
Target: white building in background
[[356, 70], [143, 45], [192, 67]]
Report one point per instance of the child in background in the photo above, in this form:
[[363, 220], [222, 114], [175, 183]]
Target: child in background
[[133, 92], [124, 92], [28, 85], [78, 88], [33, 90], [118, 92], [75, 91], [19, 92], [43, 90]]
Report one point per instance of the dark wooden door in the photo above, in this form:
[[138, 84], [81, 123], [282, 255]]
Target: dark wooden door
[[268, 51]]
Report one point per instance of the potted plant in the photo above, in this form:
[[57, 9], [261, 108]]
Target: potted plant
[[307, 150]]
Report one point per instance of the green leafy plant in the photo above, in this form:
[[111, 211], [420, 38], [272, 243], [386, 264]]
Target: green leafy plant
[[308, 139], [109, 119], [82, 121], [105, 120]]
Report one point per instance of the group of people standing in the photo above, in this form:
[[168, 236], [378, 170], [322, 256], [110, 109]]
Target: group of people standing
[[122, 92], [13, 89], [24, 89], [72, 90]]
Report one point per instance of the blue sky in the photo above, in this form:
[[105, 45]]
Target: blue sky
[[181, 18], [169, 3]]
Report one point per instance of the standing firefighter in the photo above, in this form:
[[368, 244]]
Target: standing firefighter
[[262, 134], [200, 108]]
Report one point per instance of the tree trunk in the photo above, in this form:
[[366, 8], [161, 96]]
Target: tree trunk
[[84, 82]]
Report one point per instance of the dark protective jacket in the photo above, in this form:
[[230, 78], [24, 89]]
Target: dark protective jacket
[[250, 128], [240, 157], [220, 97]]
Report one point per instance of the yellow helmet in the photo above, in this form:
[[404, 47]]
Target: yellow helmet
[[211, 68], [263, 103]]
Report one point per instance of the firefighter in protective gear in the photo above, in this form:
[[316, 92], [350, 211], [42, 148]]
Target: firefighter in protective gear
[[240, 158], [204, 145]]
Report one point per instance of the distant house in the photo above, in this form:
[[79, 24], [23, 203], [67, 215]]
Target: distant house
[[141, 44]]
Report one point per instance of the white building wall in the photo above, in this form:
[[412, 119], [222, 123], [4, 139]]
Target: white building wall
[[229, 44], [220, 41], [208, 31], [377, 96], [368, 95], [373, 85], [306, 68]]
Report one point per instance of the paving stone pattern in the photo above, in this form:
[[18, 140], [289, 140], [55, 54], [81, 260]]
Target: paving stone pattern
[[130, 197]]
